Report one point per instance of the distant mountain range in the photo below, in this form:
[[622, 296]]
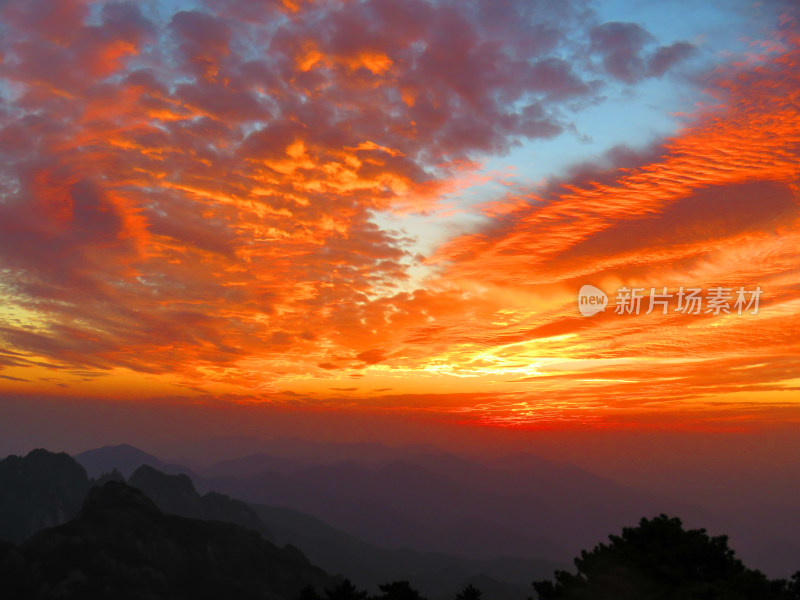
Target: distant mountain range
[[156, 536], [124, 458], [442, 503], [436, 574], [536, 507], [419, 497]]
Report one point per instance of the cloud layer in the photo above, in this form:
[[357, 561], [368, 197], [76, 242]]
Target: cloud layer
[[193, 196]]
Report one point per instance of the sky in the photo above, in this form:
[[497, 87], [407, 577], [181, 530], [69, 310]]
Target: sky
[[390, 207]]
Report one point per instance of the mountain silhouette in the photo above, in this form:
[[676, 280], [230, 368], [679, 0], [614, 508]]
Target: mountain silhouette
[[175, 494], [515, 505], [120, 545], [123, 457], [159, 538], [39, 490], [437, 574]]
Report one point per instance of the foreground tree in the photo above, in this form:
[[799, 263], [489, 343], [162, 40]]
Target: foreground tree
[[398, 590], [658, 560], [469, 593], [309, 593], [345, 591]]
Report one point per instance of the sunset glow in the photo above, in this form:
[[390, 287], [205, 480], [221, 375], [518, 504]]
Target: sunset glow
[[390, 206]]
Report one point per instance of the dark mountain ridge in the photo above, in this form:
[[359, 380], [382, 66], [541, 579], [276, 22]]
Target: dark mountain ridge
[[120, 545], [176, 495], [39, 490]]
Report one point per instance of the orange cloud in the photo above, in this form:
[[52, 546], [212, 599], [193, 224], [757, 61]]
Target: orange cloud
[[207, 218]]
